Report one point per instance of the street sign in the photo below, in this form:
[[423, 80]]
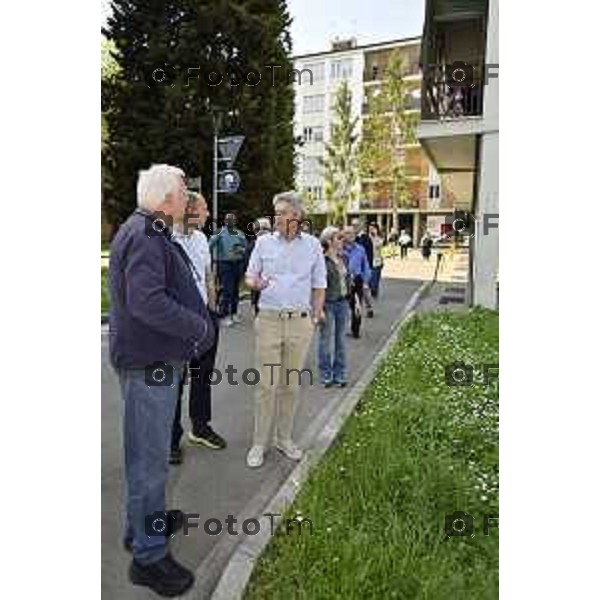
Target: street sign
[[229, 148], [229, 181]]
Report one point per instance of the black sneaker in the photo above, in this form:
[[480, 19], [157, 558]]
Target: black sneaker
[[174, 524], [370, 313], [207, 437], [166, 576], [176, 456]]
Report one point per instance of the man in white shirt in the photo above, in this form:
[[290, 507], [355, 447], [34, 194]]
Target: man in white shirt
[[288, 267], [404, 242], [195, 245]]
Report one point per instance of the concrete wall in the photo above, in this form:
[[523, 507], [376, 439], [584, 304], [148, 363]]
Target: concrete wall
[[486, 245]]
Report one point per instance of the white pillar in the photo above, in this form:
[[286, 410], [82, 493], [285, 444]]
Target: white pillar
[[416, 229], [485, 246]]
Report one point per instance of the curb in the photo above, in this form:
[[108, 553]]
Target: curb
[[318, 437]]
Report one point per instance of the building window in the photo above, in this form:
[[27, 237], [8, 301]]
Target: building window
[[313, 134], [434, 191], [341, 69], [317, 70], [313, 104]]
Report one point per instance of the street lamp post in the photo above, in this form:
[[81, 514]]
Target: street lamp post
[[216, 118]]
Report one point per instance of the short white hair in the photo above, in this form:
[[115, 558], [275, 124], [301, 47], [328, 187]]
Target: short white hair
[[292, 198], [155, 183], [329, 233]]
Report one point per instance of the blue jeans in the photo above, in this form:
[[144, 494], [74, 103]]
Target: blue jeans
[[230, 273], [148, 418], [375, 280], [336, 314]]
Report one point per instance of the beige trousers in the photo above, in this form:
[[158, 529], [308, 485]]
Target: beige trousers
[[284, 342]]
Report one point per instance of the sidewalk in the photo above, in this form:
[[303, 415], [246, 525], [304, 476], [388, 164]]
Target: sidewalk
[[453, 268], [216, 484]]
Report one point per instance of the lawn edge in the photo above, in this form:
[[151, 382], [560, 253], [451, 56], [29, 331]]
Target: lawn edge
[[236, 574]]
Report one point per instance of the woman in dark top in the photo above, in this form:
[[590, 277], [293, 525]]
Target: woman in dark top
[[332, 365], [426, 244]]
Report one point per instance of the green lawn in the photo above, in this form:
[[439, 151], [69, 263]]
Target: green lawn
[[104, 291], [414, 451]]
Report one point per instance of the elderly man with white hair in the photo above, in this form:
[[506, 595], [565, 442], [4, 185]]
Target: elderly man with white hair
[[288, 268], [158, 322]]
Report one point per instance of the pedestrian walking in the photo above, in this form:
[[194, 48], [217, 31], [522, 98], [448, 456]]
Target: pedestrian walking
[[392, 241], [228, 249], [194, 243], [158, 321], [426, 245], [404, 242], [358, 267], [332, 332], [363, 238], [288, 268], [377, 262]]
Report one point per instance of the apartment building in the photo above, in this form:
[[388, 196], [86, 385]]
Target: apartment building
[[363, 68], [459, 122]]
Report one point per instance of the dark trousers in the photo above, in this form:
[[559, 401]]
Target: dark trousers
[[254, 299], [230, 273], [356, 300], [403, 250], [197, 375]]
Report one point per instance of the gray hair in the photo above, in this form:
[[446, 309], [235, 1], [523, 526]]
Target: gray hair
[[329, 233], [155, 183], [292, 198]]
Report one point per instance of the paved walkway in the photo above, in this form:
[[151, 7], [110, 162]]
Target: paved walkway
[[453, 268], [216, 484]]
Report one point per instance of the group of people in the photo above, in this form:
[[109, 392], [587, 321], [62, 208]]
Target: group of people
[[166, 310], [404, 241]]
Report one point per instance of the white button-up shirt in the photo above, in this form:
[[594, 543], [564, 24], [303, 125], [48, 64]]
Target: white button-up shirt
[[292, 268], [196, 247]]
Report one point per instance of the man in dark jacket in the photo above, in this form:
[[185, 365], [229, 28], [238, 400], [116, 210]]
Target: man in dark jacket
[[158, 321]]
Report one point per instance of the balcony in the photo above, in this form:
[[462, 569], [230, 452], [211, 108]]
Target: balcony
[[444, 99], [452, 87]]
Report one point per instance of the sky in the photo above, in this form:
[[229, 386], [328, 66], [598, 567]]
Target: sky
[[317, 22]]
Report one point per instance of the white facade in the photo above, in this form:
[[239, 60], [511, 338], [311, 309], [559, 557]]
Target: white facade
[[313, 110]]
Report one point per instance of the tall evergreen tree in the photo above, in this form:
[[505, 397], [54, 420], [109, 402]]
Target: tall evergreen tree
[[340, 161], [174, 123]]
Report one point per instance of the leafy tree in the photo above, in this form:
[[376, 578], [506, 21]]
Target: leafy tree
[[110, 69], [387, 128], [340, 161], [150, 123]]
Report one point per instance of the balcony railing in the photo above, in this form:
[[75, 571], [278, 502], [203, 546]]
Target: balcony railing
[[444, 100]]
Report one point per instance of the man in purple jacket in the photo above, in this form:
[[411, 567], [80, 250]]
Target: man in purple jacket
[[158, 321]]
